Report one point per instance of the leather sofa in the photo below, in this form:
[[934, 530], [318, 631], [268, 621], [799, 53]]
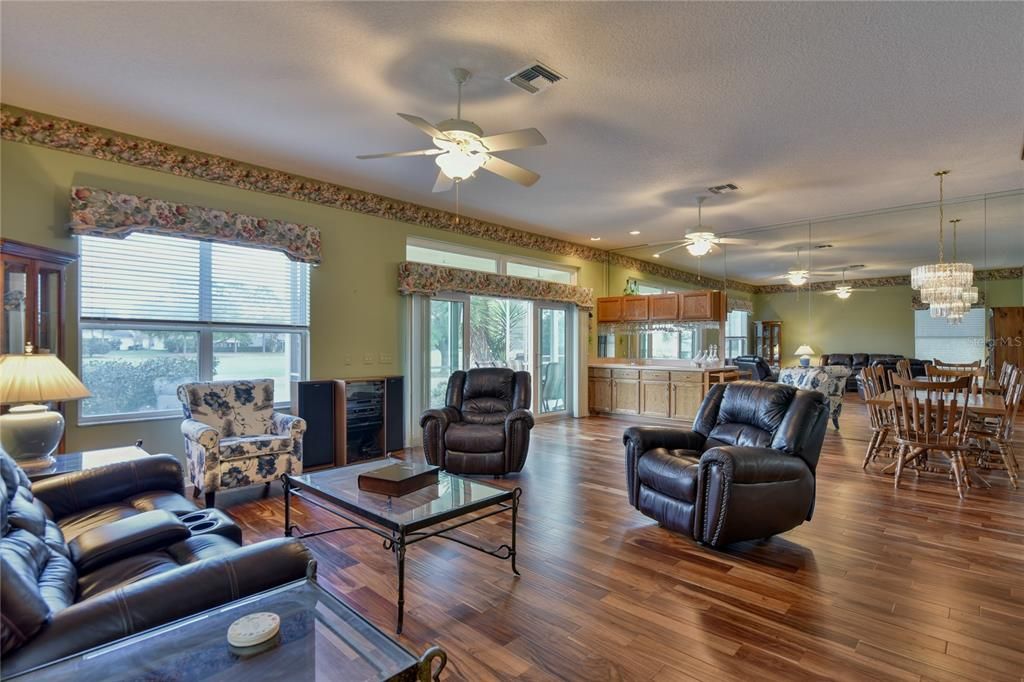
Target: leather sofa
[[745, 470], [756, 365], [98, 555], [484, 427], [858, 361], [918, 368]]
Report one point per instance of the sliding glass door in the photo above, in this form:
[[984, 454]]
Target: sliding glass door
[[447, 339], [466, 332], [553, 366]]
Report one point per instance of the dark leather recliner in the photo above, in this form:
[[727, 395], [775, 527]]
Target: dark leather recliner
[[756, 365], [90, 557], [485, 425], [745, 471]]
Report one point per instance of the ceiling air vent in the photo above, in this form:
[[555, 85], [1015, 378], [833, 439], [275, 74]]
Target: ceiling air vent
[[723, 189], [534, 78]]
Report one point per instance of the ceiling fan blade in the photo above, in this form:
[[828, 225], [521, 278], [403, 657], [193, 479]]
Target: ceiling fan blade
[[735, 240], [517, 139], [424, 125], [671, 248], [862, 290], [443, 183], [389, 155], [510, 171], [650, 244]]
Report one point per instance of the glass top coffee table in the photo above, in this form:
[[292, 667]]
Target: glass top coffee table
[[431, 512], [320, 639]]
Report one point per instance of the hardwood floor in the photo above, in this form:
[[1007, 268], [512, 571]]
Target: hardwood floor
[[882, 584]]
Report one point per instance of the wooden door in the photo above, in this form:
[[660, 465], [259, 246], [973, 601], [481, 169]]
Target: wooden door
[[600, 394], [626, 391], [686, 399], [654, 393], [664, 307], [1008, 336], [635, 308], [609, 309], [696, 305]]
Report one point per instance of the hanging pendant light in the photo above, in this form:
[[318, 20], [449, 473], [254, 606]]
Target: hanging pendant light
[[945, 287]]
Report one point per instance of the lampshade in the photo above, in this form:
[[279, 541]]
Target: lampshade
[[32, 378], [804, 350]]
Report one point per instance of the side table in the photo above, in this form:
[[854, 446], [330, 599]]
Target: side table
[[88, 459]]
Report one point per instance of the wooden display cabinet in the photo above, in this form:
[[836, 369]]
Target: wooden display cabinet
[[768, 341], [32, 288]]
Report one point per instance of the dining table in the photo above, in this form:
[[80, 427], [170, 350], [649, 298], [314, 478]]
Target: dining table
[[982, 404]]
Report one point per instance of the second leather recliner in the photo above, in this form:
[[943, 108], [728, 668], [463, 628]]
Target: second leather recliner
[[745, 471]]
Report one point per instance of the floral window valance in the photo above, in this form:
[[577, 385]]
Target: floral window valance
[[742, 304], [423, 278], [100, 213]]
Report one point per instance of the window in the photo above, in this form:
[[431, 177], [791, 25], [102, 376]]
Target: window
[[648, 290], [937, 338], [158, 311], [467, 258], [736, 333]]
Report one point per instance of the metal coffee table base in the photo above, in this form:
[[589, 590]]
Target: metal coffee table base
[[397, 540]]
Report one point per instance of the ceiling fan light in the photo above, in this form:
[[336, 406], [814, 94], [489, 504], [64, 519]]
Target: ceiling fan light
[[797, 277], [459, 165], [699, 247], [843, 292]]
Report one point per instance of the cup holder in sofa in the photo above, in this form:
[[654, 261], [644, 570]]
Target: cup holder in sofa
[[212, 522]]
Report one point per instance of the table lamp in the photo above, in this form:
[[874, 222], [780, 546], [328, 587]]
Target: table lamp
[[805, 352], [30, 431]]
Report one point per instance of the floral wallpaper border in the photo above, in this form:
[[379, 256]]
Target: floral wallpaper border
[[20, 125], [424, 278], [894, 281], [44, 130], [102, 213]]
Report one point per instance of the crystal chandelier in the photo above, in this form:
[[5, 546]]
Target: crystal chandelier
[[947, 288]]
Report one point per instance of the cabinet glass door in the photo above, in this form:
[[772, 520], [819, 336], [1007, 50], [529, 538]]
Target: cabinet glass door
[[16, 325]]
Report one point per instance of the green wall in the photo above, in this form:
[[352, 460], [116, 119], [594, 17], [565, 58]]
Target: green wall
[[356, 309], [881, 321]]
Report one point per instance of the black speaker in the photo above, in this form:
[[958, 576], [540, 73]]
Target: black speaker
[[394, 414], [317, 404]]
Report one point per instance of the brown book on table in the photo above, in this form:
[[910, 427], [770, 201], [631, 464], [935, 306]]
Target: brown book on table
[[398, 479]]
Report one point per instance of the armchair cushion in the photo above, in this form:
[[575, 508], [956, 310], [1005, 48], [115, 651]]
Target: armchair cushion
[[671, 472], [466, 437], [235, 408], [253, 446]]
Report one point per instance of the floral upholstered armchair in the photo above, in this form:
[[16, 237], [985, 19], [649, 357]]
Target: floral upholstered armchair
[[830, 380], [234, 438]]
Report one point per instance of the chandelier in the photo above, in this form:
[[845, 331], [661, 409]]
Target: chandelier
[[947, 288]]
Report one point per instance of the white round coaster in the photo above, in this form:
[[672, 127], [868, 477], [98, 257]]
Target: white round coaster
[[254, 629]]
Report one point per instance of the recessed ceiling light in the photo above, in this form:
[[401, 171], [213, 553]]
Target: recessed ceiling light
[[634, 231], [657, 255], [595, 239]]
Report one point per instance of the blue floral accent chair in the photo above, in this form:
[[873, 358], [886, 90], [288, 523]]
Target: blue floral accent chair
[[234, 438], [830, 380]]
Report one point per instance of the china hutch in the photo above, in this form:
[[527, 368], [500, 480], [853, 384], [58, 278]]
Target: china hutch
[[32, 287], [768, 341]]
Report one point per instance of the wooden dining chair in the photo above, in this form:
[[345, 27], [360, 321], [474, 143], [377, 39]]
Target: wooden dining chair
[[876, 381], [976, 374], [1005, 372], [995, 435], [903, 369], [930, 417]]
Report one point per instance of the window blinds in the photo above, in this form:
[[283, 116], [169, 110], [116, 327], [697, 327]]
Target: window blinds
[[157, 278]]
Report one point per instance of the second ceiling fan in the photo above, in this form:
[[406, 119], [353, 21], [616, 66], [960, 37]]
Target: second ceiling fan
[[461, 148], [700, 240]]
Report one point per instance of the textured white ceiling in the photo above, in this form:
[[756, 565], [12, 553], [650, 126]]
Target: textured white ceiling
[[814, 109]]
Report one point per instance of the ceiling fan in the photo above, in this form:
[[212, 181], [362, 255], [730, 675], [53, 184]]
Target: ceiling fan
[[700, 240], [461, 148], [798, 275], [843, 290]]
